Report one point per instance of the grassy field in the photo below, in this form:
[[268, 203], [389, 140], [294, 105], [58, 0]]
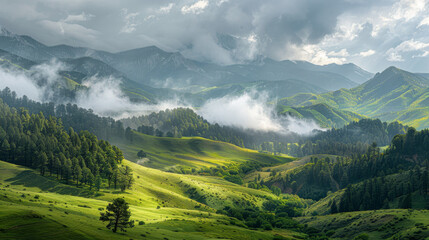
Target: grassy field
[[171, 154], [266, 172], [36, 207], [380, 224]]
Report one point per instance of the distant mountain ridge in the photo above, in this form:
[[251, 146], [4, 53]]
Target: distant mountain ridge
[[393, 94], [157, 68]]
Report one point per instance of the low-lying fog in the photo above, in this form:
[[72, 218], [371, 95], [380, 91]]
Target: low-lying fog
[[105, 97]]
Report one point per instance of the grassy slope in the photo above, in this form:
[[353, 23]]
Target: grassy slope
[[391, 95], [56, 213], [380, 224], [282, 169], [323, 114], [190, 152]]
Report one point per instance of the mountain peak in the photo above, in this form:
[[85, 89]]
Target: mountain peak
[[392, 69], [393, 77]]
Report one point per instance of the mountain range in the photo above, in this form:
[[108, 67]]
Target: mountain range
[[332, 94], [155, 68]]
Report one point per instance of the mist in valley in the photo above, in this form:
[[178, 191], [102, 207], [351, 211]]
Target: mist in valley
[[249, 111]]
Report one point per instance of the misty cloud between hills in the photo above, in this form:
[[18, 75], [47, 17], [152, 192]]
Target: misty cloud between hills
[[104, 96]]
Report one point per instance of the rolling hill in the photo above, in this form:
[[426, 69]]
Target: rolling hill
[[324, 115], [391, 95], [36, 207], [175, 154]]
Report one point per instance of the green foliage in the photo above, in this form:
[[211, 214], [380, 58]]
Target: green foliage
[[234, 179], [117, 215], [380, 224], [354, 138], [362, 236], [183, 122], [319, 176], [141, 154], [42, 143], [180, 122], [366, 131], [71, 115]]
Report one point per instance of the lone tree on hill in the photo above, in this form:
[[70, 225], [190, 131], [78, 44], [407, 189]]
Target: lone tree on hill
[[141, 154], [118, 215]]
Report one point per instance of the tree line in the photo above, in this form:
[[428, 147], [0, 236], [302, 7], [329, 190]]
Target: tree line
[[180, 122], [371, 180], [71, 115], [354, 138], [41, 143]]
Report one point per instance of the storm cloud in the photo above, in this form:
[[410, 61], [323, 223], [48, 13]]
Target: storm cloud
[[233, 31]]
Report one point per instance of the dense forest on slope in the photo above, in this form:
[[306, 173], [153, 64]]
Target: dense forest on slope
[[354, 138], [183, 122], [180, 122], [365, 131], [393, 191], [71, 115], [42, 143], [406, 153]]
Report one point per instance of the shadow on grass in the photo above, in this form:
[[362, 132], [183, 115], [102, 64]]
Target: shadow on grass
[[119, 192], [194, 144], [28, 178]]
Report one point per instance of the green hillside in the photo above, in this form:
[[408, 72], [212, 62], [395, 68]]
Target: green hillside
[[380, 224], [391, 95], [273, 89], [36, 207], [323, 114], [171, 154]]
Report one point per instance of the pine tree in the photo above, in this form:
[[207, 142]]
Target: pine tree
[[117, 215], [97, 183]]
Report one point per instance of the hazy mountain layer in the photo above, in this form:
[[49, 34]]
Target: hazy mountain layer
[[157, 68]]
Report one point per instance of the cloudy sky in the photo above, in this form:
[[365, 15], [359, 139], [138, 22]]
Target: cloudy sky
[[371, 34]]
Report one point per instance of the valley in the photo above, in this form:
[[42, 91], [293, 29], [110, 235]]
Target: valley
[[214, 120]]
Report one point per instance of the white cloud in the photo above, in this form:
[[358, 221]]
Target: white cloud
[[407, 9], [20, 83], [401, 12], [342, 53], [411, 45], [368, 53], [424, 22], [130, 21], [103, 95], [78, 18], [36, 83], [241, 111], [71, 30], [281, 28], [247, 112], [316, 55], [394, 54], [195, 8], [166, 9]]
